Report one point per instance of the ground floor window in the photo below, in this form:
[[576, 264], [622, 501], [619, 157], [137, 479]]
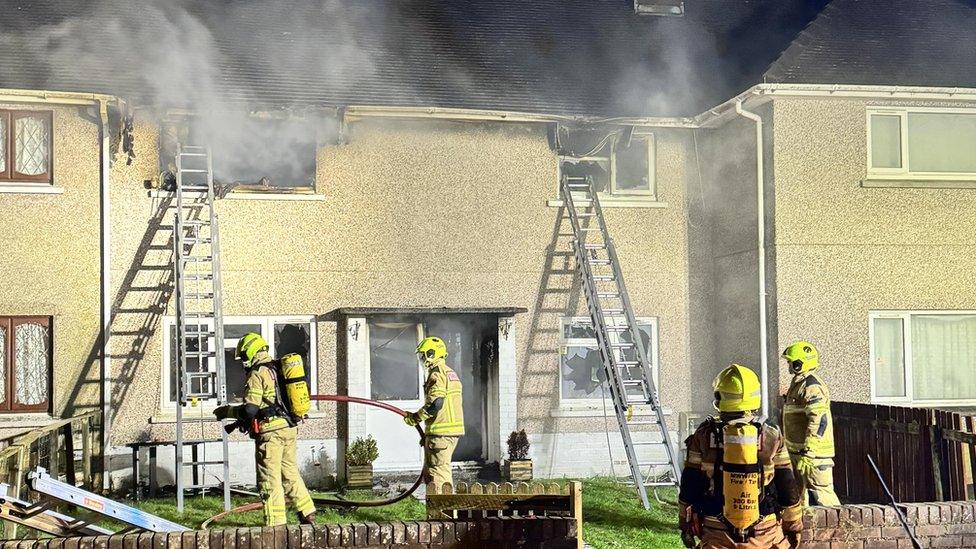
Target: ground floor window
[[924, 357], [25, 354], [394, 370], [284, 335], [581, 373]]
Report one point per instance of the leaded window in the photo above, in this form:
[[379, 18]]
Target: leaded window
[[26, 146], [25, 349]]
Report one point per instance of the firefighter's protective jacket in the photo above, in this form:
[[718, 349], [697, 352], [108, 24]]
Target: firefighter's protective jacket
[[261, 391], [701, 481], [808, 425], [443, 382]]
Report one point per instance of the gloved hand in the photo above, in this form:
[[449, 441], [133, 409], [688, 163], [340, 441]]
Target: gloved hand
[[690, 525], [805, 465], [794, 539], [224, 412], [411, 419], [688, 539]]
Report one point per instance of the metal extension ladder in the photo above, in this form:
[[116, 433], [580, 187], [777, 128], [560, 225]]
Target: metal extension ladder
[[40, 516], [199, 322], [629, 374]]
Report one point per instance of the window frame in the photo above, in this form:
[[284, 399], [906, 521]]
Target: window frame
[[10, 175], [905, 172], [267, 324], [10, 406], [649, 195], [908, 399], [577, 342]]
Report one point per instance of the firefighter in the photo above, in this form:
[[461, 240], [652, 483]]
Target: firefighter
[[441, 412], [809, 426], [275, 433], [737, 486]]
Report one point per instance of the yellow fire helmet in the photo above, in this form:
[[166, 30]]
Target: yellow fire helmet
[[737, 389], [248, 346], [802, 357], [431, 349]]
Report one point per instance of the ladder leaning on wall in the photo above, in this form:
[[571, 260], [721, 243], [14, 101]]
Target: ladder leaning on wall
[[625, 362], [199, 322]]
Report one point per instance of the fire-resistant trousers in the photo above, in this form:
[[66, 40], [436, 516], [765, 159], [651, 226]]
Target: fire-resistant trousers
[[278, 475], [768, 535], [817, 486], [438, 452]]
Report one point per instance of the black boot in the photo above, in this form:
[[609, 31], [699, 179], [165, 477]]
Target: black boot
[[307, 519]]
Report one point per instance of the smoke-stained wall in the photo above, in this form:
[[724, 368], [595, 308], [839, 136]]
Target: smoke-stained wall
[[415, 214], [50, 263], [843, 250]]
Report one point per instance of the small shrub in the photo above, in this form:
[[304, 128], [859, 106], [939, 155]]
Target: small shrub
[[362, 451], [518, 445]]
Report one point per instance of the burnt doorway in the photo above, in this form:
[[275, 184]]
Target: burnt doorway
[[472, 346]]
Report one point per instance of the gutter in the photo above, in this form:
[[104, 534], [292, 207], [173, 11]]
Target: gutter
[[761, 254], [482, 115], [106, 298], [61, 98]]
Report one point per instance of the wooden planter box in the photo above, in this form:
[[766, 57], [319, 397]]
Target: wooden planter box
[[359, 476], [519, 470]]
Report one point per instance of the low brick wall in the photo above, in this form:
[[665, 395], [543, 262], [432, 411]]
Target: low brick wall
[[949, 524], [541, 532]]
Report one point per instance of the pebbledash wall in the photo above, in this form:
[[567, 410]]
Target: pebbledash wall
[[50, 262], [842, 249], [407, 214]]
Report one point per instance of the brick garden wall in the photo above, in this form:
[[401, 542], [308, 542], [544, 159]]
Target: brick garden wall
[[541, 532], [949, 524]]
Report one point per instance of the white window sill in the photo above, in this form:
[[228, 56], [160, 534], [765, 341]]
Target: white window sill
[[289, 197], [630, 202], [910, 183], [27, 188], [576, 409], [169, 416]]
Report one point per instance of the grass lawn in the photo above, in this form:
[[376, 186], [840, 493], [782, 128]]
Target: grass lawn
[[612, 515]]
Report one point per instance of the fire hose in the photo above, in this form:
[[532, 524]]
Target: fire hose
[[343, 502]]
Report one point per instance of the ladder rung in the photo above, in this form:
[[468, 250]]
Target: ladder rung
[[585, 214], [622, 345], [628, 364], [651, 443], [195, 240], [197, 463], [202, 486], [193, 154], [589, 229], [195, 222], [617, 328], [613, 313], [604, 295], [604, 278], [653, 422], [632, 382], [196, 258], [653, 463], [594, 246], [198, 277], [193, 170], [199, 354], [199, 295], [599, 261]]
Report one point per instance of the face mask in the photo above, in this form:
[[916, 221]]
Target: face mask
[[796, 366]]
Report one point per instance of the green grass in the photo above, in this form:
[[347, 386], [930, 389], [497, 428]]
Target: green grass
[[612, 515]]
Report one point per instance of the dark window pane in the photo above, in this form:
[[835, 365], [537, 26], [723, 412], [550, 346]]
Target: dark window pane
[[632, 165], [597, 170], [295, 338], [192, 364], [235, 375], [393, 361], [237, 331]]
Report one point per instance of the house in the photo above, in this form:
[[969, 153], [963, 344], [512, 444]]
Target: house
[[392, 170]]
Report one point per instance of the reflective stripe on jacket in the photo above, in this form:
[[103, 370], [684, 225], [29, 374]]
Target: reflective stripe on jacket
[[443, 382], [260, 391], [807, 423]]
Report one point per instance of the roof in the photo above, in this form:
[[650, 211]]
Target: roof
[[884, 42], [576, 57]]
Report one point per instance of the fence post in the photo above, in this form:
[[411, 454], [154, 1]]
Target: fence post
[[576, 501], [86, 451], [936, 439]]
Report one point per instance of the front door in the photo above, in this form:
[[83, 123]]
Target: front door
[[396, 377]]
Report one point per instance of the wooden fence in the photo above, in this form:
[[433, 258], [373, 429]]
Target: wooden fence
[[923, 454], [64, 448]]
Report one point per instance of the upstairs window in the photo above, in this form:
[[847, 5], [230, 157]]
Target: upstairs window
[[25, 146], [622, 168], [922, 144]]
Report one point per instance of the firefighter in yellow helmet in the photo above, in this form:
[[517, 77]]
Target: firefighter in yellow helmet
[[441, 412], [737, 486], [808, 426], [275, 434]]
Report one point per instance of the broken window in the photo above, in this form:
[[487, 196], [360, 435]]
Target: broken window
[[581, 371], [25, 146], [283, 337], [393, 365], [622, 166], [25, 355]]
